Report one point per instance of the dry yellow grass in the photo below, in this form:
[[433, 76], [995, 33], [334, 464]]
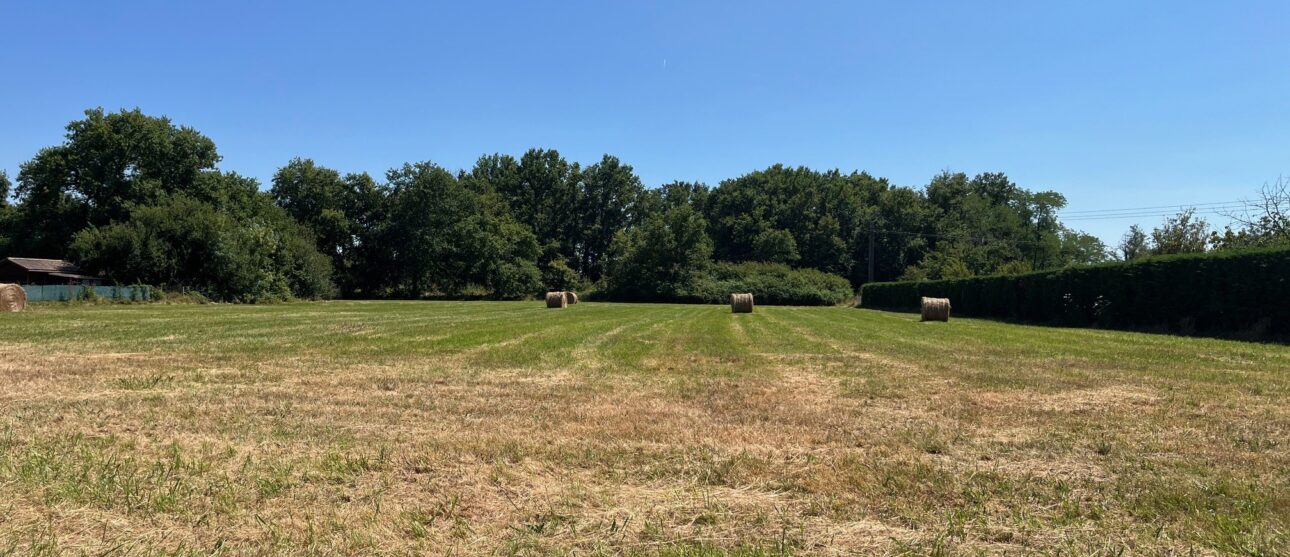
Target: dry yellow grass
[[357, 428]]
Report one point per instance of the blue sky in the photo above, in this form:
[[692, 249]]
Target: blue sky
[[1114, 104]]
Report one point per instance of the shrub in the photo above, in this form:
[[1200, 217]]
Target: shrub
[[184, 243], [770, 284], [664, 259], [773, 284], [1223, 292]]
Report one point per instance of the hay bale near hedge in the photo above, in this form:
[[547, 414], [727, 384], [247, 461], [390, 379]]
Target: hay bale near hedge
[[741, 303], [936, 309], [571, 297], [556, 300], [12, 298]]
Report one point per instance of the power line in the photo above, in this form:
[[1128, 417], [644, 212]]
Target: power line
[[957, 237], [1202, 209], [1214, 205], [1219, 212]]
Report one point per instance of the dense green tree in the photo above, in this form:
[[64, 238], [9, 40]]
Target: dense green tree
[[316, 197], [180, 242], [542, 191], [1134, 244], [512, 226], [673, 194], [610, 194], [7, 215], [1079, 248], [822, 211], [546, 198], [1182, 233], [341, 212], [775, 246], [981, 224], [664, 258], [108, 164], [5, 185], [441, 237]]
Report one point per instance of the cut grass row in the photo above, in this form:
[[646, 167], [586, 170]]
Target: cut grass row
[[490, 427]]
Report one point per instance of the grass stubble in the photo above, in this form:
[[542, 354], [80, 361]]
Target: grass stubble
[[463, 428]]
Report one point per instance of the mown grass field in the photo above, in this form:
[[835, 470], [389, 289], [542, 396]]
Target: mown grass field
[[411, 428]]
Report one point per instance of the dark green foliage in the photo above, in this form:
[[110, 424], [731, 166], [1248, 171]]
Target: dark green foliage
[[557, 275], [1245, 292], [546, 198], [181, 242], [7, 214], [668, 259], [5, 184], [341, 212], [792, 215], [513, 227], [440, 237], [609, 196], [1183, 233], [109, 163], [663, 259], [1134, 244], [774, 284]]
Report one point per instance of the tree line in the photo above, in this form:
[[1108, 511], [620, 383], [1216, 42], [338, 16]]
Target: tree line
[[1261, 222], [142, 200]]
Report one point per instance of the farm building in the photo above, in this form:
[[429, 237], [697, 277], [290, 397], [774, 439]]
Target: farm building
[[24, 270]]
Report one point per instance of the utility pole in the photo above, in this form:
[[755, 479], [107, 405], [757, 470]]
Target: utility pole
[[871, 251]]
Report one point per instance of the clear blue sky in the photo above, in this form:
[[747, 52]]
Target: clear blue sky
[[1115, 104]]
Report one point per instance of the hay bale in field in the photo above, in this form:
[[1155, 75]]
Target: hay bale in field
[[12, 298], [936, 309], [571, 297], [556, 300], [741, 303]]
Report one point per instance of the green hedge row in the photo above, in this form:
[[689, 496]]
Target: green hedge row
[[1245, 292]]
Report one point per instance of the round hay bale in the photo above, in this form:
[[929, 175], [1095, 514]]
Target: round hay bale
[[556, 300], [571, 297], [936, 309], [12, 298], [741, 303]]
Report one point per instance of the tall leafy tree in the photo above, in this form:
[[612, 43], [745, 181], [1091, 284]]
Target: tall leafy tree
[[1134, 244], [340, 211], [109, 163], [820, 210], [657, 201], [610, 196], [546, 198], [664, 258], [541, 190], [5, 185], [1181, 233], [440, 236], [6, 215]]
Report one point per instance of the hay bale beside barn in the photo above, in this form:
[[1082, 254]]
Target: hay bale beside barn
[[936, 309], [556, 300], [12, 298], [741, 303]]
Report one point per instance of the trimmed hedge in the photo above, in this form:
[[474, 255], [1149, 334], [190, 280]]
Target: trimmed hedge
[[1246, 292]]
